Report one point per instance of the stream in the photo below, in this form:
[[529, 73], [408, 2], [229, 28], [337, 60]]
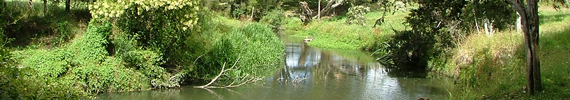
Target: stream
[[314, 74]]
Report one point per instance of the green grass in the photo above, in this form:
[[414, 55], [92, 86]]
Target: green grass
[[493, 67], [334, 33], [32, 28]]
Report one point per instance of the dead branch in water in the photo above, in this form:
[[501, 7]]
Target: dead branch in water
[[244, 80]]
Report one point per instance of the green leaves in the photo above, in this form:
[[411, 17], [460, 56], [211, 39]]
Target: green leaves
[[110, 10], [356, 14]]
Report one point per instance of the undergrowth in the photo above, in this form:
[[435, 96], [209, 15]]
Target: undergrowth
[[255, 44], [493, 67]]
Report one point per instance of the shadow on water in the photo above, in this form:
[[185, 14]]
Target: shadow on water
[[312, 73]]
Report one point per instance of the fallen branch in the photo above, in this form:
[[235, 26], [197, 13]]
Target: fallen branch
[[244, 80]]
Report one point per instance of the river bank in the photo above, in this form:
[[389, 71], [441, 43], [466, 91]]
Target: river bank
[[493, 67], [483, 66], [76, 55], [314, 73]]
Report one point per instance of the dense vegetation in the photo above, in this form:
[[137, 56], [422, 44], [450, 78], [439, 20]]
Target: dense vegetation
[[491, 67], [116, 46], [485, 64], [127, 46]]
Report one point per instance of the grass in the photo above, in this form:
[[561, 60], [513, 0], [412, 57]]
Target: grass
[[32, 28], [334, 33], [492, 67]]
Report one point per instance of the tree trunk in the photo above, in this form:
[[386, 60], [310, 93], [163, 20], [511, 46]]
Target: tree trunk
[[330, 6], [67, 5], [45, 7], [534, 36], [319, 11], [307, 14], [530, 23]]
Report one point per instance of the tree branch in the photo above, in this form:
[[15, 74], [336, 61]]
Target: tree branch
[[197, 59], [246, 79], [518, 6], [330, 6]]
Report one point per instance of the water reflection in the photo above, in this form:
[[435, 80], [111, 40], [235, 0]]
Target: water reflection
[[333, 76], [312, 73]]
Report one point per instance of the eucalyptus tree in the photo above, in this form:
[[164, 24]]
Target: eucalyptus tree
[[435, 26], [530, 25], [324, 10]]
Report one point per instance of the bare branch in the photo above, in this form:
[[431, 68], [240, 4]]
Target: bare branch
[[197, 59], [331, 6], [246, 79], [213, 80]]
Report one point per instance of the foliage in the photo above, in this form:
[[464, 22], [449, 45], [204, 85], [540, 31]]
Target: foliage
[[499, 13], [433, 25], [356, 14], [64, 31], [3, 23], [490, 67], [241, 8], [262, 52], [274, 18], [83, 67], [157, 25], [151, 36]]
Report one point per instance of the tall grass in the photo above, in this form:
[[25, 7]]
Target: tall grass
[[255, 44], [493, 67]]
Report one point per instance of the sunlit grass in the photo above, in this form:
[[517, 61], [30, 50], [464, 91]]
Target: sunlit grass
[[493, 67], [334, 33]]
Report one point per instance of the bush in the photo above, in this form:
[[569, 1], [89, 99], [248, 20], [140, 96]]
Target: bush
[[76, 70], [159, 26], [256, 45], [356, 14], [274, 18], [413, 49]]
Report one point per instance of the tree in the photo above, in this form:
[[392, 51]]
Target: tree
[[529, 19], [433, 25], [67, 5], [256, 8], [320, 12]]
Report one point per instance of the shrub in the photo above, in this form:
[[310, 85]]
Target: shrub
[[80, 68], [162, 27], [256, 45], [356, 14], [274, 18], [412, 49]]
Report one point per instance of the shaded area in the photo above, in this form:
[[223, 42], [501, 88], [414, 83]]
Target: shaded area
[[548, 18], [30, 26]]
